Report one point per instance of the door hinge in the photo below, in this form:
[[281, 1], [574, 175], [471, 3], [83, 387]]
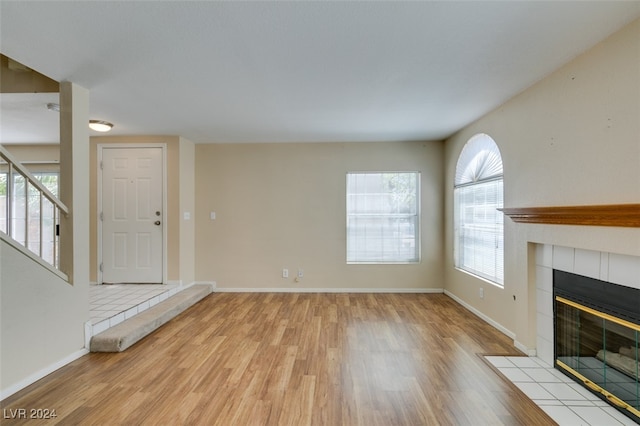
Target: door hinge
[[101, 217], [101, 268], [101, 165]]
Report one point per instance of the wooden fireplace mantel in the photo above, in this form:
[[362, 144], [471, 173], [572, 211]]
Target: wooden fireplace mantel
[[623, 215]]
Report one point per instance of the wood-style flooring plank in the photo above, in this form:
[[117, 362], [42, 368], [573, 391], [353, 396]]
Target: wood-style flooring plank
[[295, 359]]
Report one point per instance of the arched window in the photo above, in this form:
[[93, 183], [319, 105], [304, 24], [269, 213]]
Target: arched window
[[478, 225]]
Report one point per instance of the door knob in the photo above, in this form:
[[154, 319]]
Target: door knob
[[157, 222]]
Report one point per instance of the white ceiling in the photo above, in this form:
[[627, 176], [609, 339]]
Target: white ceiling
[[299, 71]]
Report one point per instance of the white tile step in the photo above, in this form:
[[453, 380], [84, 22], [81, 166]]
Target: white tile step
[[132, 330]]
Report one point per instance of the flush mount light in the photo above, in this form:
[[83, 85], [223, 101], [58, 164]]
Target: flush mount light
[[100, 126]]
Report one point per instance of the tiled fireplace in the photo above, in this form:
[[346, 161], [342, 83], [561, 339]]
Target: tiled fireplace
[[609, 269]]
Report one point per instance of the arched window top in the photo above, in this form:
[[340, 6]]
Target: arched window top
[[479, 160]]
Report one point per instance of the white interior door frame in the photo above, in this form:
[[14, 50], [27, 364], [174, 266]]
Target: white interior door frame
[[100, 148]]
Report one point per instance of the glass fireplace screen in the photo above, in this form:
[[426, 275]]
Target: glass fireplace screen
[[601, 351]]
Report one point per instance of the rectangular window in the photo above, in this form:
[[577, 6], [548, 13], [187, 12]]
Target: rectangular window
[[26, 195], [383, 217], [479, 230]]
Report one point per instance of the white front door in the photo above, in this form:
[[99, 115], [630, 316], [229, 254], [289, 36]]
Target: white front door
[[132, 216]]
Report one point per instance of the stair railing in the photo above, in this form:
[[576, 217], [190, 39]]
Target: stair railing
[[26, 204]]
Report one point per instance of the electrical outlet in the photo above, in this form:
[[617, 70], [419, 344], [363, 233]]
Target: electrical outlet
[[285, 273], [481, 293], [300, 273]]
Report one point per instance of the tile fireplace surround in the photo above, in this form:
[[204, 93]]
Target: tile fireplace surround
[[609, 267]]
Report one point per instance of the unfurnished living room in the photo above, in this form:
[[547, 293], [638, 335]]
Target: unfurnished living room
[[320, 212]]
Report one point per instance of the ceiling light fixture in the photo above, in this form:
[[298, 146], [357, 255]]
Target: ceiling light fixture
[[100, 126], [97, 125]]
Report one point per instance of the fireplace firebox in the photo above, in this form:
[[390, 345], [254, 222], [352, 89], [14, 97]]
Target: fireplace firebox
[[597, 337]]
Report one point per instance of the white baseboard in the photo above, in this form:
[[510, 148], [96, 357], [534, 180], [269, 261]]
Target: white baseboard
[[88, 334], [523, 348], [482, 316], [211, 283], [326, 290], [7, 392]]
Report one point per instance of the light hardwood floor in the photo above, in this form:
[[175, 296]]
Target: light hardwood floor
[[295, 359]]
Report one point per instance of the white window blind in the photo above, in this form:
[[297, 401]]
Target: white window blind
[[383, 217], [478, 225]]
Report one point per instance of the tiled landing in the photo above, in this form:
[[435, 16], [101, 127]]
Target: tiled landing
[[565, 401], [109, 305]]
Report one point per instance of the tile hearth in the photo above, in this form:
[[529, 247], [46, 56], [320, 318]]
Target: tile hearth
[[565, 401]]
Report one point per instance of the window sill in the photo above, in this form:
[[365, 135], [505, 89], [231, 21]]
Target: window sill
[[493, 283]]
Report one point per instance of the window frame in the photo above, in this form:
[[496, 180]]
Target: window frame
[[355, 258], [464, 181]]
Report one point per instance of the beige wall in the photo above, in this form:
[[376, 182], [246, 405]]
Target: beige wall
[[177, 189], [35, 152], [572, 139], [42, 319], [187, 211], [283, 205]]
